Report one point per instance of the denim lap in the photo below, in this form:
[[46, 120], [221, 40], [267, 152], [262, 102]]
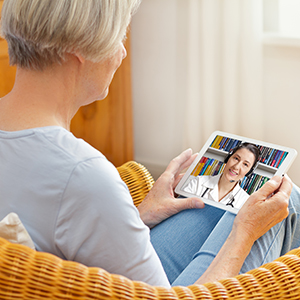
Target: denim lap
[[187, 242]]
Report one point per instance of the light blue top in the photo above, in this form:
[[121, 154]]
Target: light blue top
[[74, 204]]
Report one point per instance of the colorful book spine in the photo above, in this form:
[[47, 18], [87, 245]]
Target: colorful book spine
[[278, 153], [218, 168], [213, 167], [216, 141], [267, 156], [270, 157], [199, 166], [225, 144], [204, 167], [222, 142], [229, 145], [253, 183], [249, 184], [279, 160], [208, 166]]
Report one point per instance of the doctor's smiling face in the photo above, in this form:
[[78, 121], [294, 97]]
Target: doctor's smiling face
[[239, 164]]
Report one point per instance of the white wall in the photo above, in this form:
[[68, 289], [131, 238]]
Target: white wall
[[282, 99], [160, 88], [158, 92]]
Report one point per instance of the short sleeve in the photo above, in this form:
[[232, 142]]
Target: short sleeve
[[99, 226]]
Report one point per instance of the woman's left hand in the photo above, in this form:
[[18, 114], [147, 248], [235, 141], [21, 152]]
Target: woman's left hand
[[160, 203]]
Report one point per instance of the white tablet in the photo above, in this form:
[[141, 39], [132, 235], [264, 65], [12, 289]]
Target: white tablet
[[229, 168]]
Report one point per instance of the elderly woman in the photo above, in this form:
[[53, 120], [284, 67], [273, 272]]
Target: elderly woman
[[69, 197]]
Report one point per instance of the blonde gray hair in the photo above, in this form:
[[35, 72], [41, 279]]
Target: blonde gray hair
[[41, 32]]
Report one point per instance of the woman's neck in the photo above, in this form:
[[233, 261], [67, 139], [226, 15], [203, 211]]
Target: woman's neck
[[38, 99]]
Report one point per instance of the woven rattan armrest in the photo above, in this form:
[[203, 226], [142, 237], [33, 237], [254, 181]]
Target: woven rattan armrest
[[138, 179]]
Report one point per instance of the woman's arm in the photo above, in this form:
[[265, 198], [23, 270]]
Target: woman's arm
[[256, 217]]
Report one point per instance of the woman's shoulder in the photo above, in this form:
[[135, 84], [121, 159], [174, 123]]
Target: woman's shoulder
[[62, 148], [65, 142]]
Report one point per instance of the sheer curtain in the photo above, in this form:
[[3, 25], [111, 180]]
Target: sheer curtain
[[224, 69]]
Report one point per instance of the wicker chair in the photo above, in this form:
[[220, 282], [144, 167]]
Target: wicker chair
[[27, 274]]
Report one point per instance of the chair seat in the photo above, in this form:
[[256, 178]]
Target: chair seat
[[28, 274]]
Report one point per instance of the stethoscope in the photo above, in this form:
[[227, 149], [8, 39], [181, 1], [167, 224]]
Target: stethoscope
[[232, 198]]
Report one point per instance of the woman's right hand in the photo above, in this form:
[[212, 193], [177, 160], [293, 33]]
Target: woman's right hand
[[264, 208]]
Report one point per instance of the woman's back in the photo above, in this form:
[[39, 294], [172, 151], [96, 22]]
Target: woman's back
[[73, 202]]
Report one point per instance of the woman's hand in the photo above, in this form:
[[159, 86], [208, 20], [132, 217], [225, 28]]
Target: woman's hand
[[161, 203], [265, 208]]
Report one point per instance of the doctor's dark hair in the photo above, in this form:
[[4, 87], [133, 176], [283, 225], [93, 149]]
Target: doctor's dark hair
[[252, 148]]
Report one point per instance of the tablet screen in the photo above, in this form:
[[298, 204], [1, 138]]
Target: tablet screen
[[229, 168]]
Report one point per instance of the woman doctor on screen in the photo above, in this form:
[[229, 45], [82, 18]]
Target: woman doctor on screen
[[225, 188]]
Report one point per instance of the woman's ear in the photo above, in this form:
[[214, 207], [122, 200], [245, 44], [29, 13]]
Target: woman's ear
[[79, 57]]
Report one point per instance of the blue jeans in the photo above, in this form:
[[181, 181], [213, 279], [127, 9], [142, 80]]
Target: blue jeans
[[188, 242]]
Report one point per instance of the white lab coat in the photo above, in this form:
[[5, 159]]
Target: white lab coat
[[207, 187]]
